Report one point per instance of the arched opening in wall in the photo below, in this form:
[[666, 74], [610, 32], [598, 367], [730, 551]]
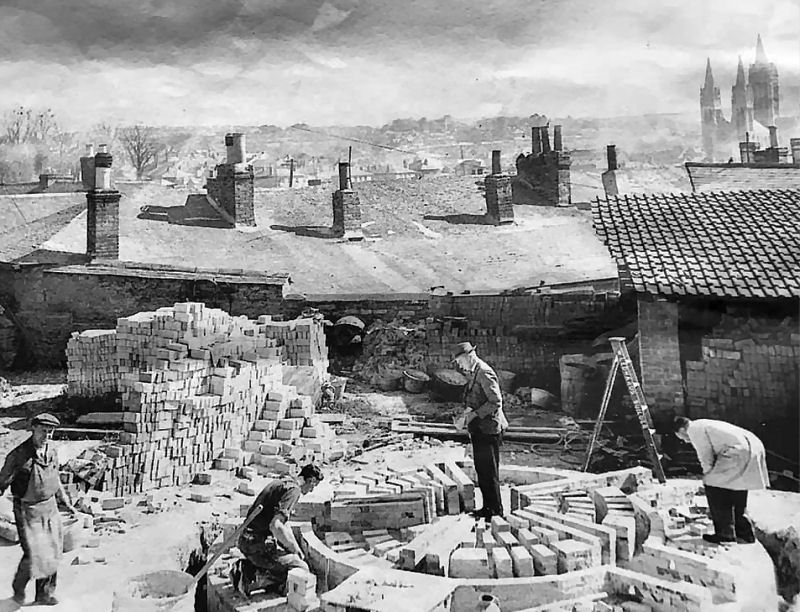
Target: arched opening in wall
[[345, 340]]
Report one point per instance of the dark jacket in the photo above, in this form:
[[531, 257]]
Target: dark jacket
[[482, 394]]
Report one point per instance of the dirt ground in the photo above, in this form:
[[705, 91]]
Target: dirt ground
[[147, 541]]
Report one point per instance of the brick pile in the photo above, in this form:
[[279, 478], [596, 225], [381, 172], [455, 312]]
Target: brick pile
[[197, 385], [746, 363], [90, 363]]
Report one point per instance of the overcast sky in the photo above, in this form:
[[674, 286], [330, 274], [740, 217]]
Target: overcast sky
[[220, 62]]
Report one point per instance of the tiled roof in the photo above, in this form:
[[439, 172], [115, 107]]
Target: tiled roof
[[742, 177], [726, 244]]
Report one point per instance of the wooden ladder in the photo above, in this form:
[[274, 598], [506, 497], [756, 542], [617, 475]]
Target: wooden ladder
[[622, 360]]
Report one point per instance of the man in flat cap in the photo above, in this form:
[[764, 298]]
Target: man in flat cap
[[483, 403], [31, 470]]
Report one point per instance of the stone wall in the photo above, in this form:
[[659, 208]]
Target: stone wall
[[51, 303], [660, 358]]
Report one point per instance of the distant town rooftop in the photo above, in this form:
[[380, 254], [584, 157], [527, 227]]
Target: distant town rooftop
[[742, 177]]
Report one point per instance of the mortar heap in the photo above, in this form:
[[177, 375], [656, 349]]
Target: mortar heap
[[197, 385]]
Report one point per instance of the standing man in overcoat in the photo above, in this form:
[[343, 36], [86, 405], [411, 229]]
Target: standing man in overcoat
[[485, 421], [733, 462]]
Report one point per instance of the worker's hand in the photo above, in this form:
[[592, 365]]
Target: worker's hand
[[469, 416]]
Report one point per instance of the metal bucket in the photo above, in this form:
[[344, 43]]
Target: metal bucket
[[162, 591]]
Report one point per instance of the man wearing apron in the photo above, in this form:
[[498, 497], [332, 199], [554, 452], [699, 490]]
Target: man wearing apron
[[733, 462], [485, 421], [31, 470]]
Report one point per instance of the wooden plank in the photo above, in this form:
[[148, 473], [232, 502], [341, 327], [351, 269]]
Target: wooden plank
[[452, 433], [79, 433], [331, 417], [466, 488], [451, 496], [101, 418]]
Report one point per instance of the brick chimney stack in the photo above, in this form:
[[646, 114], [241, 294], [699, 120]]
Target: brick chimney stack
[[102, 210], [794, 143], [232, 187], [346, 208], [499, 197], [543, 177], [609, 177]]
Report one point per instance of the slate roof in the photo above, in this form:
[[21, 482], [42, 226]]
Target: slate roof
[[418, 234], [725, 244], [742, 177], [28, 221]]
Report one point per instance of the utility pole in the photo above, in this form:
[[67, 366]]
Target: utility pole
[[291, 171]]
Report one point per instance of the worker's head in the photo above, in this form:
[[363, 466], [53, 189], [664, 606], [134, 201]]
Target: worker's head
[[43, 425], [464, 356], [679, 426], [310, 477]]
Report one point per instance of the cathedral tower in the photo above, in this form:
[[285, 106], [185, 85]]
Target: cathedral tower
[[741, 105], [763, 78]]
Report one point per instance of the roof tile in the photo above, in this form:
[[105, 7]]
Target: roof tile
[[725, 244]]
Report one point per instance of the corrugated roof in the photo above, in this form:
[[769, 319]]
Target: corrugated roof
[[726, 244], [742, 177]]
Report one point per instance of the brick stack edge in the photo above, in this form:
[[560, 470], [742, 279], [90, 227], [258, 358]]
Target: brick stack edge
[[195, 383]]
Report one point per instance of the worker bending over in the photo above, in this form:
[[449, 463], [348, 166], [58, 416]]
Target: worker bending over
[[733, 463]]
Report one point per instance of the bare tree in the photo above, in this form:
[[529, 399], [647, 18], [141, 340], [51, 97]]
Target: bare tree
[[26, 125], [142, 148]]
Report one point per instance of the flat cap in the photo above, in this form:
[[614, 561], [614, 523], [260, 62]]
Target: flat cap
[[461, 348], [45, 419]]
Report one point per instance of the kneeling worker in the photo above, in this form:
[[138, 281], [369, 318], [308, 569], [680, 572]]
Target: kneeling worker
[[268, 544], [733, 463]]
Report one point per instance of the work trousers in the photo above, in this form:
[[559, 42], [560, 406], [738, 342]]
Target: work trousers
[[267, 563], [45, 587], [727, 508], [486, 455]]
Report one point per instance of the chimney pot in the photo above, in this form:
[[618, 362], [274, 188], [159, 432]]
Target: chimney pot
[[344, 168], [545, 130], [557, 144], [773, 137], [496, 166], [536, 138], [611, 156], [89, 150], [102, 168]]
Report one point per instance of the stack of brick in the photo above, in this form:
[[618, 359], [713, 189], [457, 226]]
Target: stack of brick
[[194, 381], [91, 363], [746, 363]]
